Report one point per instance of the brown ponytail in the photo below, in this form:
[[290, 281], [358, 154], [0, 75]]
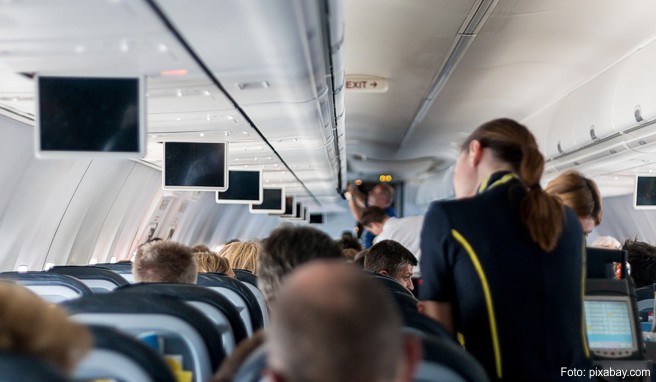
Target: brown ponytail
[[511, 142]]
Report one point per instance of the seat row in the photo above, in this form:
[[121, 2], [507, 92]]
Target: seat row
[[200, 323]]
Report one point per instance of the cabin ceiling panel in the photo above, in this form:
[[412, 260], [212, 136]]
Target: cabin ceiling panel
[[530, 54], [257, 49], [405, 42], [45, 36]]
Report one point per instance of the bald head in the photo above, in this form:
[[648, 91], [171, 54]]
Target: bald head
[[332, 323]]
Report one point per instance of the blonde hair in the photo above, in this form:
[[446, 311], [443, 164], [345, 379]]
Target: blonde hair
[[29, 325], [242, 254], [211, 262]]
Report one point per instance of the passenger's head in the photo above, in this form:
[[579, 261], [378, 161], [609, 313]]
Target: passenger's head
[[287, 248], [358, 260], [242, 254], [373, 219], [606, 242], [200, 248], [390, 258], [504, 144], [580, 194], [382, 195], [213, 263], [165, 262], [642, 257], [30, 326], [349, 242], [332, 323]]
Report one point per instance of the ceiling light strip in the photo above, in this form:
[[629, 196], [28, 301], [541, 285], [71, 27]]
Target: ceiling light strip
[[169, 25]]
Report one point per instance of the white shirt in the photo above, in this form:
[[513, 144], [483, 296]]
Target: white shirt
[[407, 232]]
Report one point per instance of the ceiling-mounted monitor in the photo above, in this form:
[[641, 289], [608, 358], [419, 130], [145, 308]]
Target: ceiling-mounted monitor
[[298, 213], [316, 218], [290, 207], [90, 116], [245, 187], [200, 166], [273, 202], [644, 194]]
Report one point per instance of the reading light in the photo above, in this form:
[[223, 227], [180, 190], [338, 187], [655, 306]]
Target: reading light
[[162, 48], [173, 72], [93, 261], [253, 85], [48, 266], [113, 259], [358, 182], [22, 268]]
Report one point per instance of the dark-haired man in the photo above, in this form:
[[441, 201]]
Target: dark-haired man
[[390, 258]]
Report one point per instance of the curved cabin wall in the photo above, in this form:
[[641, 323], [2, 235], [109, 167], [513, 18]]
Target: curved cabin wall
[[69, 211]]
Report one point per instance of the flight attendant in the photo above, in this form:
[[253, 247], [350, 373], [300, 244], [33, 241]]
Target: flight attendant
[[503, 263]]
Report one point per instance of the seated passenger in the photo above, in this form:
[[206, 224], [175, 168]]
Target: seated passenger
[[580, 194], [242, 254], [30, 326], [390, 258], [402, 230], [606, 242], [330, 323], [287, 248], [358, 260], [642, 258], [165, 262], [347, 241], [199, 248], [211, 262]]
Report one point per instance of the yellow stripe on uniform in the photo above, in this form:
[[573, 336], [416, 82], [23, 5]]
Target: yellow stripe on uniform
[[502, 180], [486, 291]]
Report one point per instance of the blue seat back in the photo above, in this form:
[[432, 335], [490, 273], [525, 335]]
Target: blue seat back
[[52, 287], [18, 367], [184, 329], [250, 280], [239, 295], [99, 280], [124, 269], [215, 306], [446, 361], [118, 356], [252, 368]]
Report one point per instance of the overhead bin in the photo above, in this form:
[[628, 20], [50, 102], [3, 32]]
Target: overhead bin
[[635, 89]]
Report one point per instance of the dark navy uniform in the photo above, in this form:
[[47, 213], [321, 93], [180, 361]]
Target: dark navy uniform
[[519, 308]]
